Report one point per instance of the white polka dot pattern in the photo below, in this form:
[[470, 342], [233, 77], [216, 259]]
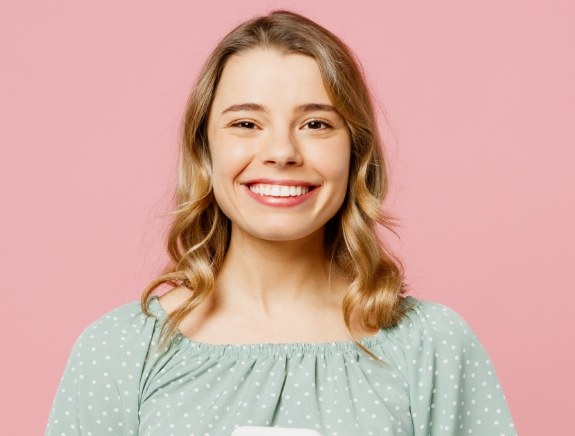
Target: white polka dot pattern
[[436, 380]]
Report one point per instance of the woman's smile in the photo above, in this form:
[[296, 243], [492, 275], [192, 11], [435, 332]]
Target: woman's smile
[[281, 193], [279, 190]]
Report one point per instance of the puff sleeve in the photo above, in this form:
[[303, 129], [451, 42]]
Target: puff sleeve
[[99, 390], [453, 387]]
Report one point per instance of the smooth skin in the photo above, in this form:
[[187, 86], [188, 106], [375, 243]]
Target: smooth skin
[[271, 120]]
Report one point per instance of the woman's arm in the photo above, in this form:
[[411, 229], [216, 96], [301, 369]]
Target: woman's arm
[[454, 389], [99, 391]]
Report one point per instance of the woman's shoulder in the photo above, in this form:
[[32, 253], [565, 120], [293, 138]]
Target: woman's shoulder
[[431, 310], [122, 316], [121, 328], [433, 321], [430, 332]]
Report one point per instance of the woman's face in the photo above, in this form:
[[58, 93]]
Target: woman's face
[[280, 152]]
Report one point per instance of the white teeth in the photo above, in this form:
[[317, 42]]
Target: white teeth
[[279, 190]]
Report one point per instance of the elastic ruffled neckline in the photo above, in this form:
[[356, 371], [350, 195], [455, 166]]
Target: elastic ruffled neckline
[[266, 349]]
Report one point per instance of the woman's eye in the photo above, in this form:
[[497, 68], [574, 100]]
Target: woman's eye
[[316, 125], [245, 125]]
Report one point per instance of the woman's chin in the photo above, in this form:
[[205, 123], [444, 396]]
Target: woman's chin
[[279, 234]]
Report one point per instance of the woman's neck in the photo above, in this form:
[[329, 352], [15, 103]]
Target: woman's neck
[[270, 276]]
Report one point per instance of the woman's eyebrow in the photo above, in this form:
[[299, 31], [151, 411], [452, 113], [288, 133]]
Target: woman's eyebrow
[[314, 107], [245, 107], [256, 107]]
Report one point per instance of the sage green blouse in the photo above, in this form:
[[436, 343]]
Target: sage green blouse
[[437, 380]]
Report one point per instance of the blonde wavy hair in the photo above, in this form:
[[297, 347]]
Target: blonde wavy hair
[[200, 233]]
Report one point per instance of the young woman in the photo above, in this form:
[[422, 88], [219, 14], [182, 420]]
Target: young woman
[[286, 309]]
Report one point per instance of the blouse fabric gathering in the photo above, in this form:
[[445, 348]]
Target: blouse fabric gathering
[[436, 379]]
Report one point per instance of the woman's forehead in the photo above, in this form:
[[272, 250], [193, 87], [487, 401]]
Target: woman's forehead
[[269, 78]]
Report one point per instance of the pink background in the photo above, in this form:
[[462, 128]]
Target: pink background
[[480, 98]]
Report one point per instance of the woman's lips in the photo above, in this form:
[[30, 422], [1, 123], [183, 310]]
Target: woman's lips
[[279, 190], [282, 193]]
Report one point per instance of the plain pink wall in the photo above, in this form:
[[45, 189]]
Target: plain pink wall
[[480, 96]]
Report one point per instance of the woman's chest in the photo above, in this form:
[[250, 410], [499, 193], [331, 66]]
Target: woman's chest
[[335, 396]]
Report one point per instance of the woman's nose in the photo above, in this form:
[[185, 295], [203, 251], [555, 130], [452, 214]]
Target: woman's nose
[[281, 149]]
